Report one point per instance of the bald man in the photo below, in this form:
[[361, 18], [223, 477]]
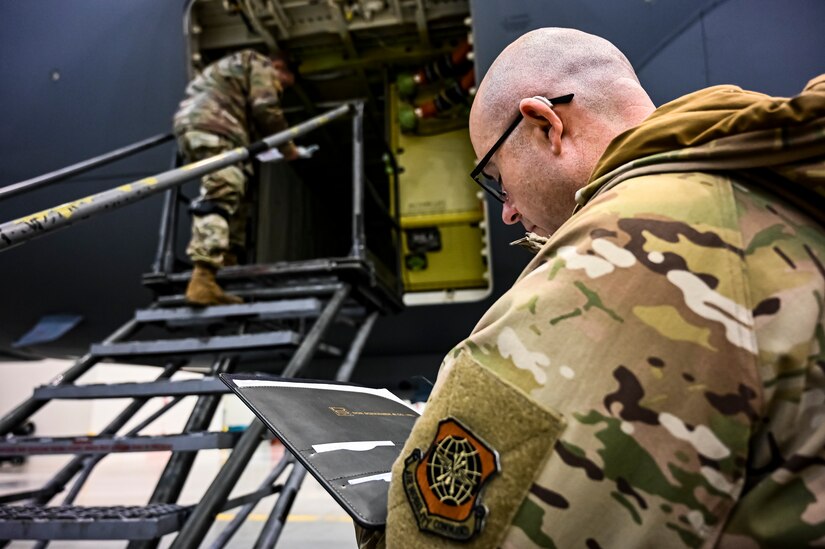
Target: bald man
[[656, 376]]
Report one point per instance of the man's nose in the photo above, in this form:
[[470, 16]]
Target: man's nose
[[509, 214]]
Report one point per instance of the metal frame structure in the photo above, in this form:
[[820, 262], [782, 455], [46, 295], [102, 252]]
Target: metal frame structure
[[341, 27], [359, 267], [296, 305]]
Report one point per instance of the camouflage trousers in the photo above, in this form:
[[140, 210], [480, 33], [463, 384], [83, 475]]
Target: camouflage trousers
[[219, 213]]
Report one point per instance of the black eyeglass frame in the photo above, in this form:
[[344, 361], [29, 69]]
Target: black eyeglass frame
[[486, 182]]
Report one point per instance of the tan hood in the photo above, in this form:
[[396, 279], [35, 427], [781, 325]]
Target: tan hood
[[778, 141]]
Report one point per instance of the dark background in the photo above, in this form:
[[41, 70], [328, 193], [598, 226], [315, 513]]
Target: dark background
[[82, 77]]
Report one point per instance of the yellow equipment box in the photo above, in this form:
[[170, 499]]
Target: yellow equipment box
[[443, 220]]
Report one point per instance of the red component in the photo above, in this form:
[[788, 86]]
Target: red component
[[448, 97], [446, 65]]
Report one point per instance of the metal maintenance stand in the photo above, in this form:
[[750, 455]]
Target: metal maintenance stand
[[293, 311]]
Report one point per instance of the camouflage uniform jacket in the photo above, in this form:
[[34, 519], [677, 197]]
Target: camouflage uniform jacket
[[656, 376], [237, 97]]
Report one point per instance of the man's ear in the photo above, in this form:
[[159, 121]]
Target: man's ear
[[541, 115]]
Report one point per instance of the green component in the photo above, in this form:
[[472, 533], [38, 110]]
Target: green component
[[415, 262], [406, 85], [407, 118], [388, 169]]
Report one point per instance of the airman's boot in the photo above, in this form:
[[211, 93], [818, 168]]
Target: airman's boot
[[204, 291]]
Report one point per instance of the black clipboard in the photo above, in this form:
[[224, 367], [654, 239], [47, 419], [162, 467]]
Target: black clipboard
[[345, 435]]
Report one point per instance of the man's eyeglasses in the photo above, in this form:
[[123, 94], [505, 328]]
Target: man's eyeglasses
[[491, 184]]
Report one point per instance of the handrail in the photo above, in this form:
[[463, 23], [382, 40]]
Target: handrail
[[26, 228], [84, 166]]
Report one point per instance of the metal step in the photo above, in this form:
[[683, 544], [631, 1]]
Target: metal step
[[369, 288], [195, 345], [75, 522], [186, 316], [205, 386], [321, 287], [186, 442]]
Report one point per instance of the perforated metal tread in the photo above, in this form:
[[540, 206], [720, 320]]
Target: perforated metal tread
[[76, 522], [292, 308], [194, 345], [186, 442], [186, 387]]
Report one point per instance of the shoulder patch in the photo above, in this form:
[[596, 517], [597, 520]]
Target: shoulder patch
[[444, 486]]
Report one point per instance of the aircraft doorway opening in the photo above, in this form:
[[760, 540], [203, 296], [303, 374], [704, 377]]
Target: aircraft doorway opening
[[414, 69]]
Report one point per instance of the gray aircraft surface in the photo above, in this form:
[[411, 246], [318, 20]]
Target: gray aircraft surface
[[81, 79], [382, 229]]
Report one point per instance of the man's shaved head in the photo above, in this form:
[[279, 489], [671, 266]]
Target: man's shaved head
[[551, 62]]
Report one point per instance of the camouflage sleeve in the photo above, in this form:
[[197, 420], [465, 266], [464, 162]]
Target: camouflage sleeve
[[634, 331], [265, 100]]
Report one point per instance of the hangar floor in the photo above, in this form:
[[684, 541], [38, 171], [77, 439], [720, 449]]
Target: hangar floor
[[127, 479]]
